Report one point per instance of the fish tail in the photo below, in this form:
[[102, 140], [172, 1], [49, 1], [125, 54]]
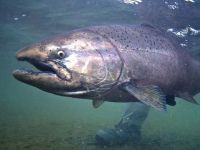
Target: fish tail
[[196, 68]]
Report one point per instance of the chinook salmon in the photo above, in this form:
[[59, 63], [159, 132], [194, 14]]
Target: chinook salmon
[[117, 63]]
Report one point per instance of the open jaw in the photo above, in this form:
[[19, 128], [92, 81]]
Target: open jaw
[[47, 78], [43, 69]]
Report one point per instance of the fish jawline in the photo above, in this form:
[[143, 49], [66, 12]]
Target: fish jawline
[[76, 93], [27, 76], [24, 73]]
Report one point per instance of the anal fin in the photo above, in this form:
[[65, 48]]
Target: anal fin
[[188, 97]]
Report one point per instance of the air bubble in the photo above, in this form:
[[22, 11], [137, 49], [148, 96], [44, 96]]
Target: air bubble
[[16, 18]]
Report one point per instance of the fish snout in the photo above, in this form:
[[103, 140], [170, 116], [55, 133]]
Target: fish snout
[[24, 53], [30, 53]]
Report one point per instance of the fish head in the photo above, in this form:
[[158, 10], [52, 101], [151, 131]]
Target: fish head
[[78, 64]]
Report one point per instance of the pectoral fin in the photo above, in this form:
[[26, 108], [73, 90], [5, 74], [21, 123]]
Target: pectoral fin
[[150, 95], [97, 103]]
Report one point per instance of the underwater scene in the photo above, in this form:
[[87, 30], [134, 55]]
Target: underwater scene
[[100, 74]]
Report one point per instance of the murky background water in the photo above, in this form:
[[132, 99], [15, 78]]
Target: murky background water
[[32, 119]]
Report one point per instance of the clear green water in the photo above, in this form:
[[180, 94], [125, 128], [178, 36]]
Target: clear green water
[[32, 119]]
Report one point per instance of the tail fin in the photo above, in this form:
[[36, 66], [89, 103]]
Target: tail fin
[[196, 74]]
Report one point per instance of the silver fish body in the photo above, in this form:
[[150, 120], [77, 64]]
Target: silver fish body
[[118, 63]]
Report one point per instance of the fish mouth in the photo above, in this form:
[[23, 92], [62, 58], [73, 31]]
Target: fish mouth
[[48, 79], [42, 66], [48, 75]]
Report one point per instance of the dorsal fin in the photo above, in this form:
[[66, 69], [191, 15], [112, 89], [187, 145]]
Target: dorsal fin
[[154, 28], [188, 97], [147, 25]]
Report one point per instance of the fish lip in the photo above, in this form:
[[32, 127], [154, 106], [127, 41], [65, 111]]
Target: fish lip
[[41, 65], [21, 72], [43, 68]]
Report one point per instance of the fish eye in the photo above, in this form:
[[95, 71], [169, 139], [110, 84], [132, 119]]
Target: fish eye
[[61, 54]]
